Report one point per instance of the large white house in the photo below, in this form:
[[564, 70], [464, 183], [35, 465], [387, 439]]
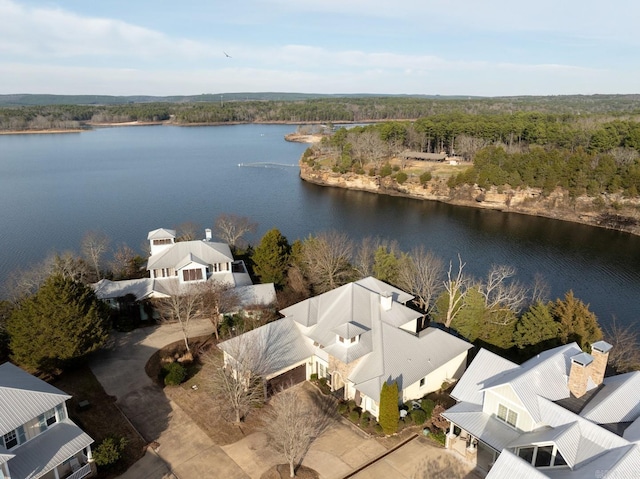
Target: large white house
[[358, 336], [175, 265], [37, 438], [556, 416]]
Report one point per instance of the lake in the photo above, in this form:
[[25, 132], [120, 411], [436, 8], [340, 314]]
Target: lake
[[127, 181]]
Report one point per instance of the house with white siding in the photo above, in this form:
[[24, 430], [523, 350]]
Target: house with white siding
[[556, 415], [37, 438], [358, 336], [174, 266]]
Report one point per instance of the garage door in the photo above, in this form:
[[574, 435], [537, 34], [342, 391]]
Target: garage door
[[291, 377]]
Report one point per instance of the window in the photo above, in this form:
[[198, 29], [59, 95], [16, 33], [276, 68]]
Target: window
[[423, 382], [341, 339], [526, 453], [162, 241], [191, 274], [10, 439], [543, 457], [559, 459], [507, 415], [50, 417]]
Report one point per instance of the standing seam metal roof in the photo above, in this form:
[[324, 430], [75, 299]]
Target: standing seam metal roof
[[24, 397]]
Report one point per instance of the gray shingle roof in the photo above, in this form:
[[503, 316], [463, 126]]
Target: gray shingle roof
[[44, 452], [24, 397]]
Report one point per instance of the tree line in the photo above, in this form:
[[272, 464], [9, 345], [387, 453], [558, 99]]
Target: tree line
[[497, 311], [341, 109]]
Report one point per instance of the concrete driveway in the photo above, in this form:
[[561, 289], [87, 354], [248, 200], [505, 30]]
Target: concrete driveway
[[184, 449]]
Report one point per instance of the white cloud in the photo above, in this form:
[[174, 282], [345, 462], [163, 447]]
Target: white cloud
[[37, 33]]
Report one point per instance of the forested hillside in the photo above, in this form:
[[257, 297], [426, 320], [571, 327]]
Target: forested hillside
[[294, 108]]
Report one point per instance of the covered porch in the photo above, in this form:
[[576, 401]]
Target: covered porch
[[61, 452]]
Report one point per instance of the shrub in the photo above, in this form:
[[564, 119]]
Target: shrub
[[378, 428], [359, 171], [343, 407], [313, 377], [389, 407], [401, 177], [352, 404], [364, 422], [418, 416], [427, 406], [372, 172], [109, 451], [354, 416], [386, 170], [425, 178], [439, 436], [175, 374], [396, 168]]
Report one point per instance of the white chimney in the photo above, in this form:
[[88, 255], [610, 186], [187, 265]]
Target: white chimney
[[207, 234], [386, 300]]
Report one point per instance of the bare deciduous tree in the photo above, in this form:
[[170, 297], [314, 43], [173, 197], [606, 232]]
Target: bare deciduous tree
[[125, 263], [293, 422], [94, 245], [501, 294], [625, 354], [456, 288], [232, 229], [327, 258], [183, 306], [540, 290], [218, 298], [238, 380], [420, 273], [364, 259], [189, 231]]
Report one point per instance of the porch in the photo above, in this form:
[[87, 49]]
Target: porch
[[76, 467]]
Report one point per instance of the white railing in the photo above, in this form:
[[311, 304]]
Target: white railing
[[84, 471]]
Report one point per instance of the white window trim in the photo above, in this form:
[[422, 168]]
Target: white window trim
[[505, 420]]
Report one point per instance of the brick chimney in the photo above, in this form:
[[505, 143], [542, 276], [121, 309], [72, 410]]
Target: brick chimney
[[386, 300], [600, 352], [579, 374]]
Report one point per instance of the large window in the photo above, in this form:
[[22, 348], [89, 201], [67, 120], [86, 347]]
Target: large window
[[507, 415], [162, 241], [542, 456], [191, 274]]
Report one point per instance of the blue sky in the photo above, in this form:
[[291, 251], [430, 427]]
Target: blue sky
[[446, 47]]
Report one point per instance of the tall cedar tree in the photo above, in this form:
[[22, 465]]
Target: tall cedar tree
[[389, 412], [577, 322], [61, 323], [271, 258]]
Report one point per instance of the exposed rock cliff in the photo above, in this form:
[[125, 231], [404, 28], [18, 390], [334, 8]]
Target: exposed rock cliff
[[609, 212]]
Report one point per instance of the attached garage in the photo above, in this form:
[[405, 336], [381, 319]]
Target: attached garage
[[286, 379]]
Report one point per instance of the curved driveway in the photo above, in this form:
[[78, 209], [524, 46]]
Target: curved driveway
[[184, 449]]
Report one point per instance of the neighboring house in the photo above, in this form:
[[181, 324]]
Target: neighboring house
[[357, 336], [556, 416], [173, 266], [37, 438]]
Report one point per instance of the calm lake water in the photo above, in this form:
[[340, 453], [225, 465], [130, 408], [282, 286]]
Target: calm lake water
[[127, 181]]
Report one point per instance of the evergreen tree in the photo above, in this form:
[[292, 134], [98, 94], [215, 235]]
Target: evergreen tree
[[271, 258], [536, 330], [62, 322], [577, 323], [389, 412]]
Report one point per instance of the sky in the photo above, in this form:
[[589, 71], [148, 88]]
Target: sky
[[431, 47]]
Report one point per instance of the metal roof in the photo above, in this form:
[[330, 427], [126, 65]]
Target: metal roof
[[47, 450], [161, 233], [269, 348], [508, 466], [208, 252], [481, 425], [485, 368], [24, 397], [617, 401], [140, 288], [380, 287]]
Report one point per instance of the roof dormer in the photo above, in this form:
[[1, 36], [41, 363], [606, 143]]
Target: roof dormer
[[349, 333], [161, 239]]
